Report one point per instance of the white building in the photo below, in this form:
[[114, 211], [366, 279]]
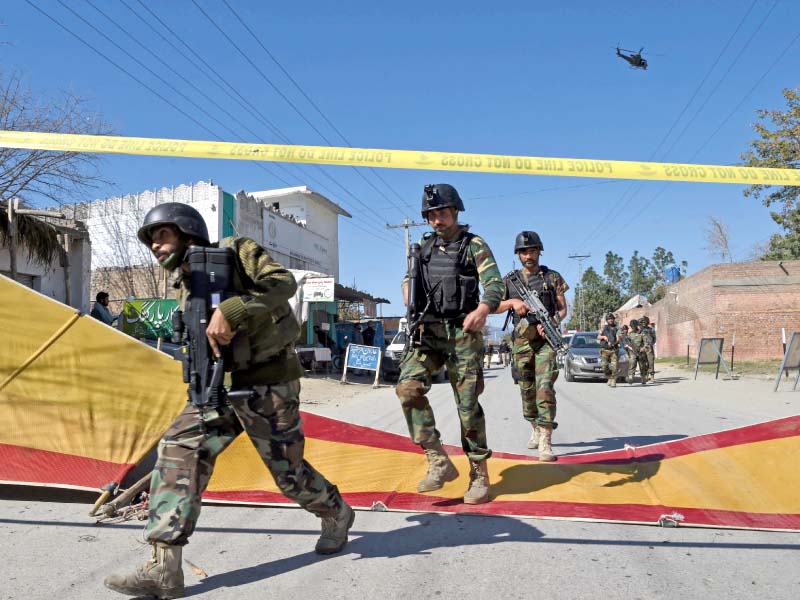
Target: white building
[[66, 277], [299, 226]]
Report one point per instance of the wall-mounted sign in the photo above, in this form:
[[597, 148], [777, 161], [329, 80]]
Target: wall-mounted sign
[[318, 289]]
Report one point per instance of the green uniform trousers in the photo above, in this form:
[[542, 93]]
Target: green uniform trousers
[[537, 369], [188, 451], [651, 359], [461, 353], [609, 363], [634, 359]]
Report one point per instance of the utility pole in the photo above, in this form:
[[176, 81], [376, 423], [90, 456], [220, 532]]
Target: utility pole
[[406, 225], [580, 258]]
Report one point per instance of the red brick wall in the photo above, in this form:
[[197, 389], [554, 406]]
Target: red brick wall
[[751, 300]]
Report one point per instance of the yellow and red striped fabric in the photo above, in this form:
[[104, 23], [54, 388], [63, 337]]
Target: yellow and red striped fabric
[[81, 404]]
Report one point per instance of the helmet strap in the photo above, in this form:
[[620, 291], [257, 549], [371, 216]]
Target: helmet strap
[[174, 260]]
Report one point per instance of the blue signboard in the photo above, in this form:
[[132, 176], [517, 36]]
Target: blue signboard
[[363, 357]]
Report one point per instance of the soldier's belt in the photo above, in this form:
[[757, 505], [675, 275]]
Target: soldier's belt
[[454, 322]]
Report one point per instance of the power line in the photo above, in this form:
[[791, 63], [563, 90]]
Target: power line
[[705, 78], [406, 224], [165, 82], [630, 192], [724, 121], [281, 94], [137, 80], [246, 104], [746, 96], [580, 258], [305, 95], [724, 76]]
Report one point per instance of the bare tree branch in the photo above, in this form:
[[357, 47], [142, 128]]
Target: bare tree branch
[[717, 236], [40, 177]]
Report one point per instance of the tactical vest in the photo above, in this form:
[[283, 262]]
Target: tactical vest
[[449, 279], [541, 284], [648, 336], [611, 333], [265, 334]]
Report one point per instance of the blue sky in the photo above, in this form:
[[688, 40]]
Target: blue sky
[[531, 78]]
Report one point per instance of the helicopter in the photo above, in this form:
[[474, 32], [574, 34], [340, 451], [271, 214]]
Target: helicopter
[[635, 59]]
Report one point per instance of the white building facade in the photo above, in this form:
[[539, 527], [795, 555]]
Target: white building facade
[[65, 278], [298, 226]]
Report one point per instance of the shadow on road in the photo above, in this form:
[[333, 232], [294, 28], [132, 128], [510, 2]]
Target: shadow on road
[[429, 531], [529, 478], [617, 443]]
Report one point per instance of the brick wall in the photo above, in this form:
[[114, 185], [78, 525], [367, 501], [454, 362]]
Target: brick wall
[[752, 301]]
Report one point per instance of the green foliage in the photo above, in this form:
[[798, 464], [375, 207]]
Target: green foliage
[[614, 271], [778, 146], [599, 297], [606, 293], [640, 271]]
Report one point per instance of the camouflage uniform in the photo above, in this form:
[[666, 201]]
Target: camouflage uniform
[[535, 362], [649, 336], [188, 451], [444, 341], [637, 357], [609, 354]]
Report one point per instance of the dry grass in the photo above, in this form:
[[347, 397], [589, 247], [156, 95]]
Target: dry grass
[[742, 368]]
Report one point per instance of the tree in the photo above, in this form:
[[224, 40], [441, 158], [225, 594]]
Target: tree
[[718, 239], [615, 274], [639, 270], [41, 177], [599, 298], [778, 146]]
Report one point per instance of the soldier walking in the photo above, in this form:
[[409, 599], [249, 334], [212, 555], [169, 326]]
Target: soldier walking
[[454, 262], [505, 352], [257, 319], [609, 349], [534, 359], [649, 337], [636, 355]]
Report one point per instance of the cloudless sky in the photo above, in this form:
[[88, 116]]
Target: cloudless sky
[[527, 78]]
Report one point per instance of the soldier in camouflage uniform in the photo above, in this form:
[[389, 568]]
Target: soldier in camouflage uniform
[[534, 358], [649, 335], [636, 356], [609, 349], [454, 262], [257, 322]]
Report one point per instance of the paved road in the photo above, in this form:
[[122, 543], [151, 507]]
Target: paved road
[[51, 550]]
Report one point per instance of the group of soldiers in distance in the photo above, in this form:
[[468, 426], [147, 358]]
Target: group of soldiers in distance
[[638, 340]]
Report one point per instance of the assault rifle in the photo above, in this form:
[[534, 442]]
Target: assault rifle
[[627, 343], [538, 313], [210, 279], [416, 307]]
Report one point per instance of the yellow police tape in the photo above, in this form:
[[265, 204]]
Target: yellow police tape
[[401, 159]]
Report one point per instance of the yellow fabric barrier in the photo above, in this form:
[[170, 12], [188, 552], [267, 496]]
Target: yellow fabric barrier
[[82, 403], [402, 159], [78, 390]]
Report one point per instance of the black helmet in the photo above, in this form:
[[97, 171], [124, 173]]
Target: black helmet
[[528, 239], [182, 216], [634, 323], [611, 316], [644, 320], [440, 195]]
